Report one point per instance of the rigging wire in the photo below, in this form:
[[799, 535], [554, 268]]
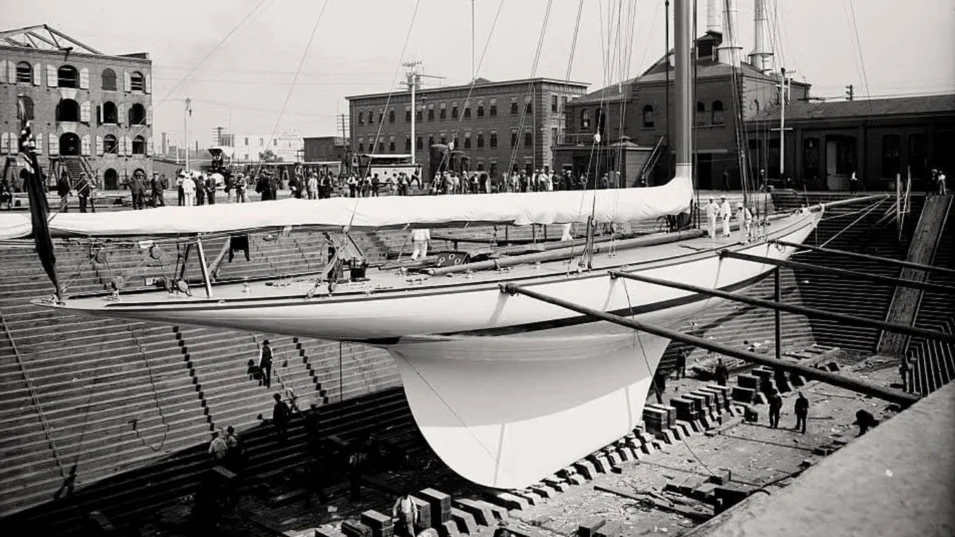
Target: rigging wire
[[850, 7]]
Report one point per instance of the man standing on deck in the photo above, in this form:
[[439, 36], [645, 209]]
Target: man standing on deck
[[280, 415], [63, 188], [712, 211], [745, 219], [726, 211], [802, 411], [420, 239], [158, 186], [138, 188], [84, 191], [722, 374], [775, 406]]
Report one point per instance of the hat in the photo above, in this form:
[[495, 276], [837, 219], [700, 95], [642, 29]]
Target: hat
[[722, 197], [739, 205]]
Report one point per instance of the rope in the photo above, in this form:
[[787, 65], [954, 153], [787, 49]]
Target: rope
[[856, 221], [155, 390]]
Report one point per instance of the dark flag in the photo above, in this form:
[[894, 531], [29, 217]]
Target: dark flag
[[36, 190]]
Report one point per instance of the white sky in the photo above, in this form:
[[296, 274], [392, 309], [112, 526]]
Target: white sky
[[907, 47]]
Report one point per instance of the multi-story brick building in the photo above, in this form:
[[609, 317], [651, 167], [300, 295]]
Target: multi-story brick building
[[497, 125], [637, 111], [91, 111]]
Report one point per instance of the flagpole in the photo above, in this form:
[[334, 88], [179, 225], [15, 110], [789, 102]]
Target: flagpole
[[185, 123]]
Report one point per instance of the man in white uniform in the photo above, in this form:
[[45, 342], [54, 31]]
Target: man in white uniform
[[712, 211], [745, 219], [726, 211], [420, 238]]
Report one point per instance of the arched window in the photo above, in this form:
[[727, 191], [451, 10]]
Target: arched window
[[891, 162], [700, 113], [361, 118], [110, 113], [717, 112], [68, 110], [24, 73], [137, 82], [585, 119], [67, 77], [391, 115], [137, 114], [648, 117], [139, 145], [110, 145], [109, 80], [361, 147]]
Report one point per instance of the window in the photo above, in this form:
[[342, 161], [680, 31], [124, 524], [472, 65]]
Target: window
[[68, 110], [431, 113], [408, 142], [408, 114], [110, 146], [891, 163], [430, 140], [137, 114], [139, 145], [391, 115], [528, 139], [553, 103], [381, 146], [261, 142], [480, 109], [493, 140], [467, 140], [246, 140], [111, 115], [467, 112], [444, 139], [585, 119], [28, 109], [717, 112], [137, 82], [493, 110], [454, 110], [24, 73], [371, 117], [275, 142], [109, 80], [391, 145], [918, 154], [419, 143], [493, 172], [361, 147], [553, 136], [514, 108], [528, 106], [443, 113], [67, 77], [700, 113], [361, 118], [480, 166], [648, 122], [480, 140], [513, 137]]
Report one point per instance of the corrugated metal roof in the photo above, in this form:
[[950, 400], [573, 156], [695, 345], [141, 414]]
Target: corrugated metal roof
[[895, 106]]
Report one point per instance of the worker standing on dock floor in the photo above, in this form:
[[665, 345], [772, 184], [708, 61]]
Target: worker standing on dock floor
[[712, 211]]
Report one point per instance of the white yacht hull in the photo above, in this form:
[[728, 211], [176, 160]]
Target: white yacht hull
[[506, 389]]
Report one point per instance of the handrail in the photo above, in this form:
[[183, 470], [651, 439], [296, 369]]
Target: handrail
[[33, 395]]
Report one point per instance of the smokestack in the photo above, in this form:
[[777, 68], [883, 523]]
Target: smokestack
[[729, 51], [713, 16], [760, 55]]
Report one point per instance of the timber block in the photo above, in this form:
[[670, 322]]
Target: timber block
[[625, 452], [614, 457], [543, 491], [750, 382], [743, 394], [440, 505], [586, 469], [601, 463], [381, 525], [797, 381], [528, 495], [464, 521], [759, 398], [448, 529], [566, 472], [481, 512], [577, 479], [424, 513], [556, 483], [677, 432], [507, 501], [667, 436], [354, 528], [610, 529], [687, 428], [589, 526], [328, 531]]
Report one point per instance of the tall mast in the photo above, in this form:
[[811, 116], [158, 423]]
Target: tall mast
[[185, 123], [413, 78], [683, 136]]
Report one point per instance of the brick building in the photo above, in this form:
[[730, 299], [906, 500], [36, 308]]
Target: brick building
[[498, 125], [92, 111], [636, 111], [875, 138], [327, 149]]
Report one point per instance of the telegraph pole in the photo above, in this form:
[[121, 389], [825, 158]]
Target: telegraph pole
[[414, 78], [185, 122], [473, 74]]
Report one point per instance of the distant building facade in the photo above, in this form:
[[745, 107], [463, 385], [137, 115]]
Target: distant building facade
[[637, 112], [499, 126], [287, 146], [85, 105], [327, 149], [826, 142]]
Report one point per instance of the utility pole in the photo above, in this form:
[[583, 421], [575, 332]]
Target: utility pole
[[185, 122], [850, 92], [414, 78], [473, 73]]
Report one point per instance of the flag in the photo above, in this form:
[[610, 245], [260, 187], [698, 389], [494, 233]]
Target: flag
[[36, 190]]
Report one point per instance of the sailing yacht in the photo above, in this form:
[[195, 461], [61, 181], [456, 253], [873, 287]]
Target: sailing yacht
[[506, 389]]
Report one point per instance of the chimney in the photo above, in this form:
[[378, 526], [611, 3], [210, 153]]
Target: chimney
[[713, 16], [760, 55], [729, 51]]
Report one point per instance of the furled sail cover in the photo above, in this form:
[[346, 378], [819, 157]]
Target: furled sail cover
[[14, 226], [385, 212]]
